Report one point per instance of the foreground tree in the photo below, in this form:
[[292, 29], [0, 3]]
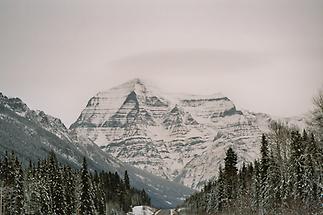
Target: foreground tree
[[230, 178], [86, 198]]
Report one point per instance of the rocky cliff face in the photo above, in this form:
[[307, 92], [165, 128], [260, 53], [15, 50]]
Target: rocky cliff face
[[179, 137]]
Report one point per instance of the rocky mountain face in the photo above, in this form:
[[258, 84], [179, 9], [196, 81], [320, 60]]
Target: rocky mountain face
[[33, 134], [182, 138]]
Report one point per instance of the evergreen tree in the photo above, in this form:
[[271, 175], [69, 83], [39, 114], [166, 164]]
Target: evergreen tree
[[317, 148], [211, 196], [264, 158], [57, 201], [18, 190], [273, 197], [42, 188], [3, 180], [70, 190], [264, 165], [230, 177], [244, 189], [86, 198], [98, 194], [30, 185], [9, 185], [296, 167], [126, 180], [256, 187], [311, 175], [220, 191]]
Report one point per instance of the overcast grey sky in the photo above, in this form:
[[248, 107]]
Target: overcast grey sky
[[267, 56]]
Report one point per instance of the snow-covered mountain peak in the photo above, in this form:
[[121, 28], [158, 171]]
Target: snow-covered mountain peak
[[177, 136], [133, 98], [168, 134], [139, 86]]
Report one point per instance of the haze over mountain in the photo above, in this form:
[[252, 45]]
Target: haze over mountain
[[260, 53]]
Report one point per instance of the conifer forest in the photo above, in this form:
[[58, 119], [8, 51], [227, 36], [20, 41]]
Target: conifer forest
[[51, 188], [286, 179]]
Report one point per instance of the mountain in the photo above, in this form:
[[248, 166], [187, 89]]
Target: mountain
[[33, 134], [180, 137]]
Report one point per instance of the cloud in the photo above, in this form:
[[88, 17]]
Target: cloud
[[186, 61], [261, 53]]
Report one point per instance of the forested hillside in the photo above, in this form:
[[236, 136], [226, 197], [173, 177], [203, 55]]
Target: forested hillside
[[51, 188], [287, 179], [283, 181]]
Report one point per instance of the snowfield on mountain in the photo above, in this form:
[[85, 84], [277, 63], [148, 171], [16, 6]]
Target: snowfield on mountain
[[180, 137]]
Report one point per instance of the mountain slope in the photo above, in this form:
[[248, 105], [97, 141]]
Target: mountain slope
[[179, 137], [32, 134]]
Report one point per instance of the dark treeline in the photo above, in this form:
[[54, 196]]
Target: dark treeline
[[51, 188], [287, 179]]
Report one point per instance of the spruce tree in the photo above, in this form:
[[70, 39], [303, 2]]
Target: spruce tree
[[9, 184], [244, 198], [126, 180], [220, 191], [55, 186], [86, 198], [296, 167], [273, 197], [311, 175], [42, 188], [264, 158], [18, 190], [69, 190], [98, 194], [211, 196], [30, 187], [264, 165], [256, 187], [230, 177]]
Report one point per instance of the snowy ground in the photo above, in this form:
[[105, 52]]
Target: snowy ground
[[142, 210], [145, 210]]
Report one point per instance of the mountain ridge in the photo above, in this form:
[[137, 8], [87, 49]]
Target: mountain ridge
[[33, 134]]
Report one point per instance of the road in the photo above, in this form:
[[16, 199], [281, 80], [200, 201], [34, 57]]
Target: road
[[166, 212]]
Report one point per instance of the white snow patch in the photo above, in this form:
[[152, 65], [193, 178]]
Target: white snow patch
[[142, 210]]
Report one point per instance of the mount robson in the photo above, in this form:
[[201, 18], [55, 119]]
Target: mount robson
[[182, 138], [170, 144]]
